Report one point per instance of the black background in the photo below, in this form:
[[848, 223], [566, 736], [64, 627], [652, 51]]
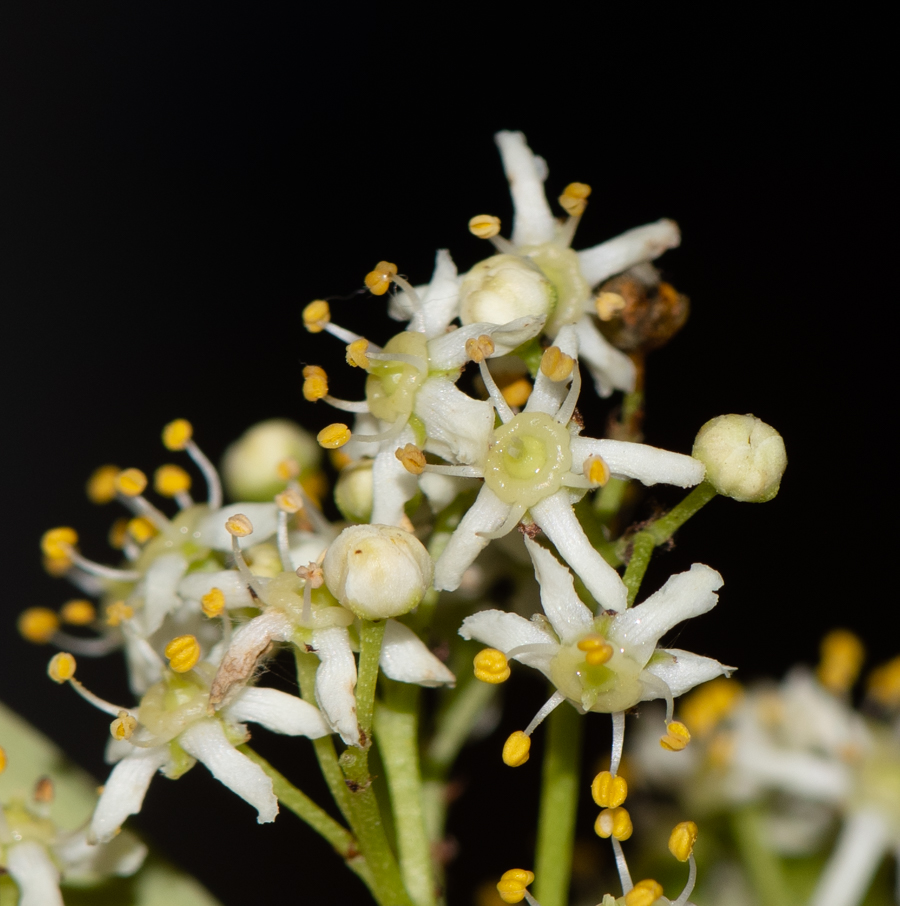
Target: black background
[[177, 183]]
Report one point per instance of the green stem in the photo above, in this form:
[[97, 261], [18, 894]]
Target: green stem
[[637, 565], [559, 803], [397, 730], [763, 865]]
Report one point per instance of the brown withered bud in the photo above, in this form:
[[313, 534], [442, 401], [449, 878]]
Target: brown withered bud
[[638, 312]]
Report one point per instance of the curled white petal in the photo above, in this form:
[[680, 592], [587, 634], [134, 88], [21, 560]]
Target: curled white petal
[[508, 632], [643, 243], [567, 613], [534, 222], [547, 396], [649, 465], [161, 589], [35, 874], [279, 712], [228, 581], [439, 299], [81, 861], [406, 658], [459, 428], [448, 352], [610, 368], [336, 682], [392, 485], [682, 670]]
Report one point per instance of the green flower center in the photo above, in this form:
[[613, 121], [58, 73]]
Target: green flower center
[[609, 687], [391, 386], [560, 266]]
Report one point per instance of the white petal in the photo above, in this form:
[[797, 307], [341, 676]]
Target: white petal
[[684, 595], [647, 464], [124, 792], [145, 667], [683, 670], [206, 741], [459, 428], [279, 712], [160, 589], [526, 172], [122, 856], [643, 243], [228, 581], [336, 682], [35, 874], [406, 658], [508, 631], [567, 613], [610, 368], [554, 515], [448, 352], [439, 299], [263, 516], [547, 396], [393, 486]]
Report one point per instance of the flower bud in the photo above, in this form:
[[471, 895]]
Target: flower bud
[[503, 288], [744, 457], [377, 571], [354, 491]]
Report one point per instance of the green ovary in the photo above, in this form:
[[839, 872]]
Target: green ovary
[[170, 706], [528, 460], [391, 386], [613, 686], [560, 266]]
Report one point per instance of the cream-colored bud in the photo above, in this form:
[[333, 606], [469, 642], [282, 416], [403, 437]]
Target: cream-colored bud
[[377, 571], [744, 457], [250, 464], [503, 288], [353, 491]]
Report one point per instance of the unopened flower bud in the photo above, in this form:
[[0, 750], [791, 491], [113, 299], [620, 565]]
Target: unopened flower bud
[[377, 571], [744, 457], [353, 491], [503, 288]]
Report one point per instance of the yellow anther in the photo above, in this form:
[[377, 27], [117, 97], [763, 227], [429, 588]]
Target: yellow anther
[[290, 500], [213, 602], [480, 348], [333, 436], [412, 457], [596, 470], [176, 434], [517, 392], [183, 653], [356, 353], [513, 883], [61, 667], [312, 573], [288, 469], [842, 659], [884, 684], [516, 749], [709, 704], [78, 612], [608, 305], [101, 486], [3, 761], [315, 383], [556, 365], [57, 566], [131, 482], [316, 316], [644, 893], [56, 543], [484, 226], [491, 666], [118, 534], [596, 649], [574, 198], [682, 840], [141, 529], [44, 791], [123, 726], [379, 280], [239, 526], [609, 790], [170, 480], [37, 624], [117, 612], [614, 822], [677, 736]]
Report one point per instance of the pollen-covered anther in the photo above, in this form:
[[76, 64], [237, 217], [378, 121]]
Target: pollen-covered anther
[[516, 393], [378, 280], [316, 316], [491, 666], [131, 482], [238, 526], [842, 659], [57, 543], [3, 760], [171, 480], [141, 529], [412, 458], [313, 574], [333, 436], [513, 883], [677, 736], [574, 198], [883, 685], [596, 471], [289, 501], [177, 434], [609, 790], [484, 226], [117, 612], [480, 348], [644, 893], [123, 726], [183, 653], [356, 353], [556, 365], [61, 667], [101, 486], [315, 383], [78, 612], [608, 305], [213, 602], [288, 469], [516, 749], [596, 649], [38, 625], [682, 840], [614, 822]]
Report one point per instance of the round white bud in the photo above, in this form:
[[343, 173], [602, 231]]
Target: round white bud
[[354, 491], [377, 571], [744, 457], [502, 288]]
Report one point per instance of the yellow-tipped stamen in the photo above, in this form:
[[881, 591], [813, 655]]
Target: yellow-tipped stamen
[[677, 736], [101, 486], [38, 625], [356, 353], [57, 543], [117, 612], [708, 705], [316, 316], [491, 666], [78, 612], [61, 667], [183, 653], [213, 602], [238, 526], [682, 840], [118, 534], [131, 482], [412, 458], [609, 790], [516, 749], [177, 434], [172, 481], [378, 281], [516, 393], [608, 305], [644, 893], [484, 226], [289, 500], [596, 649], [574, 198], [315, 383], [556, 365], [123, 726], [614, 822], [312, 574], [3, 759], [596, 471], [883, 684], [57, 566], [842, 658], [141, 529], [513, 883], [288, 469], [480, 348], [333, 436]]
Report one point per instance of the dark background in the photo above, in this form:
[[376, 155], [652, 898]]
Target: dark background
[[176, 185]]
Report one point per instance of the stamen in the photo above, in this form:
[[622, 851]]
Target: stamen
[[104, 572], [480, 348], [708, 705], [516, 393], [596, 649], [178, 435], [516, 512], [418, 362], [288, 469], [57, 543], [118, 612], [3, 759], [238, 526], [516, 749], [574, 198], [61, 667], [173, 481], [141, 529], [183, 653], [618, 741], [552, 704], [644, 893], [614, 822], [685, 894], [378, 281], [608, 305], [609, 790], [100, 703], [333, 436], [682, 840], [491, 666], [97, 647], [512, 886], [596, 471], [316, 316], [123, 726], [315, 383], [883, 685], [393, 431], [622, 866], [567, 410], [484, 226], [78, 613], [38, 625], [356, 353], [238, 554], [101, 486], [43, 791], [213, 603], [131, 482], [842, 658], [556, 365], [677, 736], [417, 322], [313, 577], [412, 458], [506, 414]]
